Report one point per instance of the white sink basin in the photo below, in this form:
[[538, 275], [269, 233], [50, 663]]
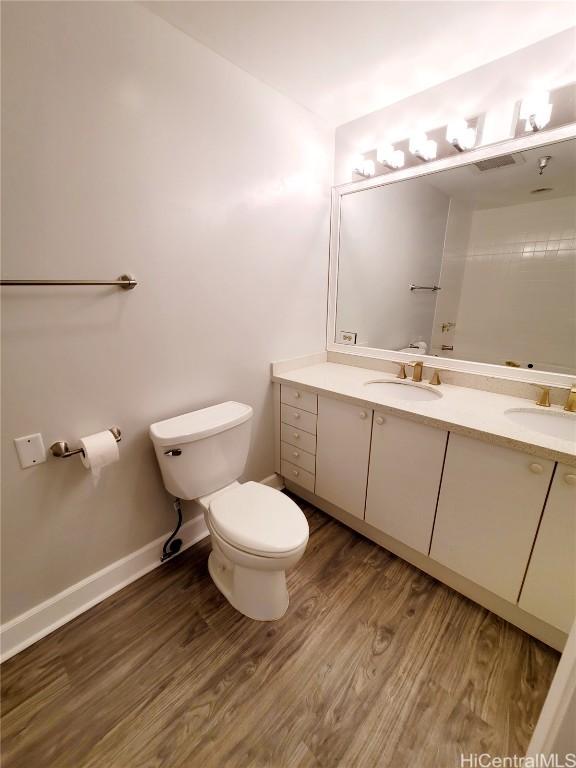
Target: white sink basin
[[560, 424], [404, 390]]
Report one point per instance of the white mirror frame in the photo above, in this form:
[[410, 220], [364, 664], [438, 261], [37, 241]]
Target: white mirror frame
[[530, 141]]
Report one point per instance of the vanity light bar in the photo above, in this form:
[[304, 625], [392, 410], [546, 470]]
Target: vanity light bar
[[535, 110]]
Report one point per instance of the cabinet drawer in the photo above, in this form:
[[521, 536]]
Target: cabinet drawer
[[297, 418], [297, 475], [296, 456], [308, 401], [296, 437]]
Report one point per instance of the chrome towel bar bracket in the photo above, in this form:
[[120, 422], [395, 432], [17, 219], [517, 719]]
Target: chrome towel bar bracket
[[60, 448], [126, 282]]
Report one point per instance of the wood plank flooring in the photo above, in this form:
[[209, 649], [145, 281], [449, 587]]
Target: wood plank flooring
[[374, 665]]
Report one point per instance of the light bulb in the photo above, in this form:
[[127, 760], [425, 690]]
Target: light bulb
[[460, 135], [368, 168], [423, 147], [417, 140], [540, 118], [454, 129], [392, 158], [362, 166], [536, 110]]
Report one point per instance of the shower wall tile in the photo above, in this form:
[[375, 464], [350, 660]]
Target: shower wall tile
[[518, 294]]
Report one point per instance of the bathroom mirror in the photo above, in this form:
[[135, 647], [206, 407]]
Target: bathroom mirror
[[476, 262]]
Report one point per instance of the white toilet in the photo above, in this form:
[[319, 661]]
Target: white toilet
[[257, 532]]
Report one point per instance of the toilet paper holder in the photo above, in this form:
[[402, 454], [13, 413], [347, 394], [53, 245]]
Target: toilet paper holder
[[60, 448]]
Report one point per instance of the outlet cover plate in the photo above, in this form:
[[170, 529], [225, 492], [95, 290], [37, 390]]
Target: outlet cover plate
[[30, 449]]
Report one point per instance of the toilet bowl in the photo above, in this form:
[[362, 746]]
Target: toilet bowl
[[257, 532]]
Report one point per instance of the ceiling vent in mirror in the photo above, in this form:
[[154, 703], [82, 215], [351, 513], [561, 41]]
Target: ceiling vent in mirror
[[499, 162]]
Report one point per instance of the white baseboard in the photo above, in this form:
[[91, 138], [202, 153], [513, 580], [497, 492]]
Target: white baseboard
[[31, 626], [44, 618]]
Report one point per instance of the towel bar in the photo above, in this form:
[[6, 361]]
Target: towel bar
[[127, 282]]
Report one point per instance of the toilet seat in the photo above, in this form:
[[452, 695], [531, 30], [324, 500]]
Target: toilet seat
[[258, 519]]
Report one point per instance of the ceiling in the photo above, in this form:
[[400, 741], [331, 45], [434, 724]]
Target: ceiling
[[342, 60]]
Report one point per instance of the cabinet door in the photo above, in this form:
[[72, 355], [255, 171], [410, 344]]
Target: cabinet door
[[405, 469], [342, 451], [549, 591], [489, 507]]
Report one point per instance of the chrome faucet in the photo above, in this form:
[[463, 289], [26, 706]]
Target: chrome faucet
[[417, 374], [571, 399]]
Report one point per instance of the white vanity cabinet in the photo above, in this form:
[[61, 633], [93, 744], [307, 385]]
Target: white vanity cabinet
[[342, 452], [488, 512], [549, 590], [404, 479], [496, 523]]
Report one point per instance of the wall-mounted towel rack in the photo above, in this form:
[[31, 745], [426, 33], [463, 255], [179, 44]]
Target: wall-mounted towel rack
[[61, 450], [424, 287], [127, 282]]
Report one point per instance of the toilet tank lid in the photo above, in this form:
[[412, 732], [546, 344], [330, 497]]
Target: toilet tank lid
[[198, 424]]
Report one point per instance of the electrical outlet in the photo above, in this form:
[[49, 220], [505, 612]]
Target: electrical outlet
[[347, 337], [30, 449]]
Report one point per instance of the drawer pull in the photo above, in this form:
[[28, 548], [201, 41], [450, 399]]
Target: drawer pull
[[296, 435], [379, 419], [295, 472], [570, 479], [297, 395], [537, 469], [296, 415], [295, 454], [363, 414]]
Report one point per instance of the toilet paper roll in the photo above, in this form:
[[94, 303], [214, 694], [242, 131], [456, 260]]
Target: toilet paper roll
[[100, 450]]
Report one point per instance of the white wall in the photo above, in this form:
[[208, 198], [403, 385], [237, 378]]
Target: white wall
[[390, 236], [521, 261], [493, 89], [127, 146]]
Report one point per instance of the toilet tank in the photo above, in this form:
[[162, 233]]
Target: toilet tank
[[203, 451]]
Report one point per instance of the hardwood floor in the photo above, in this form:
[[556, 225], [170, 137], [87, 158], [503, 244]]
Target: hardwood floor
[[374, 665]]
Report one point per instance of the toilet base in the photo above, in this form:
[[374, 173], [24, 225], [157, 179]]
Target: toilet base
[[258, 594]]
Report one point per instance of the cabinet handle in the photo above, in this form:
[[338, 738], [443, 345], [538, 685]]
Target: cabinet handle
[[296, 395], [296, 415], [296, 435], [536, 468], [379, 419], [363, 414], [570, 479], [295, 454], [295, 473]]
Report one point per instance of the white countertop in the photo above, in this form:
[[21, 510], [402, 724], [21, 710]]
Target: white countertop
[[471, 412]]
